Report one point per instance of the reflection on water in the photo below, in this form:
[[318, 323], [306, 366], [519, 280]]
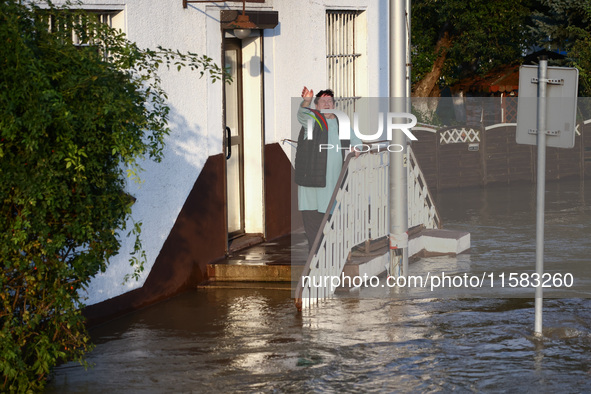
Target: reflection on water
[[253, 340]]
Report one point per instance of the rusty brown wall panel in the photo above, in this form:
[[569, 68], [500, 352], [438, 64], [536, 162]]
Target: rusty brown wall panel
[[280, 192], [197, 238]]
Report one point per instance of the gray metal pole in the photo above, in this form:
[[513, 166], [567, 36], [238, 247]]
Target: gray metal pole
[[408, 58], [541, 189], [408, 108], [398, 177]]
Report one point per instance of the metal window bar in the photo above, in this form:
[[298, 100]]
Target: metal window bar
[[341, 57], [65, 22]]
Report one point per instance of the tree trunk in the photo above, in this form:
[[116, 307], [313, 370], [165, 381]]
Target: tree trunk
[[427, 87]]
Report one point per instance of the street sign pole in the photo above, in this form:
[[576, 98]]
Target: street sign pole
[[541, 190], [555, 90]]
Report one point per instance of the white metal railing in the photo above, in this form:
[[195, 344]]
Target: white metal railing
[[360, 214], [421, 206]]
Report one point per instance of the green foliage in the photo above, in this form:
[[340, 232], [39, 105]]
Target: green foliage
[[486, 34], [565, 26], [72, 120], [425, 116], [581, 59], [556, 23], [483, 35]]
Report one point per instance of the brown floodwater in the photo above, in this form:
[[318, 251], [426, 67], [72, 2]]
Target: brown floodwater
[[245, 340]]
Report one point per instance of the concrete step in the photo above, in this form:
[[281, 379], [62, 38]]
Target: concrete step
[[269, 261], [272, 261], [284, 286], [437, 242], [224, 272], [422, 243]]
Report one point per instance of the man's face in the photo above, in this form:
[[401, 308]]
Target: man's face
[[325, 102]]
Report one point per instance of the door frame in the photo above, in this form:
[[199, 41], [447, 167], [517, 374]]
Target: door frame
[[253, 134]]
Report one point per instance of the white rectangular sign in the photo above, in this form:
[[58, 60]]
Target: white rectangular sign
[[561, 106]]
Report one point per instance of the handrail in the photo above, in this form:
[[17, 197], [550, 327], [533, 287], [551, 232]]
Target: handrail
[[419, 194]]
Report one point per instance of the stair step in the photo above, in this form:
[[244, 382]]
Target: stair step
[[271, 262], [237, 272], [248, 285]]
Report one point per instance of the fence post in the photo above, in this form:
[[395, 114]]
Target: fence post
[[483, 155], [437, 164]]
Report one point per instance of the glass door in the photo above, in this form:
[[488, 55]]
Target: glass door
[[234, 139]]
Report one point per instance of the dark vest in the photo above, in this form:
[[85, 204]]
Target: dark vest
[[310, 161]]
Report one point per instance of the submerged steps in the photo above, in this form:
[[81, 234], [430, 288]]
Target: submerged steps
[[282, 260]]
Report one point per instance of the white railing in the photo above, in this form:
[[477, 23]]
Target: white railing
[[421, 206], [360, 214]]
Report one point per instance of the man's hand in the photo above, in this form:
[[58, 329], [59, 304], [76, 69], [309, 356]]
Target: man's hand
[[307, 96]]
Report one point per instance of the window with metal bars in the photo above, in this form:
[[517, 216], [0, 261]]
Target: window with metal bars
[[72, 26], [342, 57]]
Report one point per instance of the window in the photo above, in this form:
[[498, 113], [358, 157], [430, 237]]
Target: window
[[65, 21], [344, 57]]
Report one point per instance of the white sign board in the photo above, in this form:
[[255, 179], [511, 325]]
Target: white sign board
[[561, 106]]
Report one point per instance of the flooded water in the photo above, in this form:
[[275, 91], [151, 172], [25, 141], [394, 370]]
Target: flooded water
[[245, 340]]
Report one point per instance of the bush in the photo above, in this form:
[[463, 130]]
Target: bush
[[72, 120]]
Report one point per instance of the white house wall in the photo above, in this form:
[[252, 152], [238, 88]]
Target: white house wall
[[299, 56], [166, 185], [294, 55]]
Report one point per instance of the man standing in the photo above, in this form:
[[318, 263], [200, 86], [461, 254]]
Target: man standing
[[317, 170]]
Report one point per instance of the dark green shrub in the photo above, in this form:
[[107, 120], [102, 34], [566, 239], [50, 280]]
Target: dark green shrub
[[72, 120]]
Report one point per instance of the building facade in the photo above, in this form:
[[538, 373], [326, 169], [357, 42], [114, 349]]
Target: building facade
[[225, 172]]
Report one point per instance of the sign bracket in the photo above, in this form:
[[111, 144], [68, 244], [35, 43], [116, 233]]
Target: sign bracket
[[547, 132], [549, 81]]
